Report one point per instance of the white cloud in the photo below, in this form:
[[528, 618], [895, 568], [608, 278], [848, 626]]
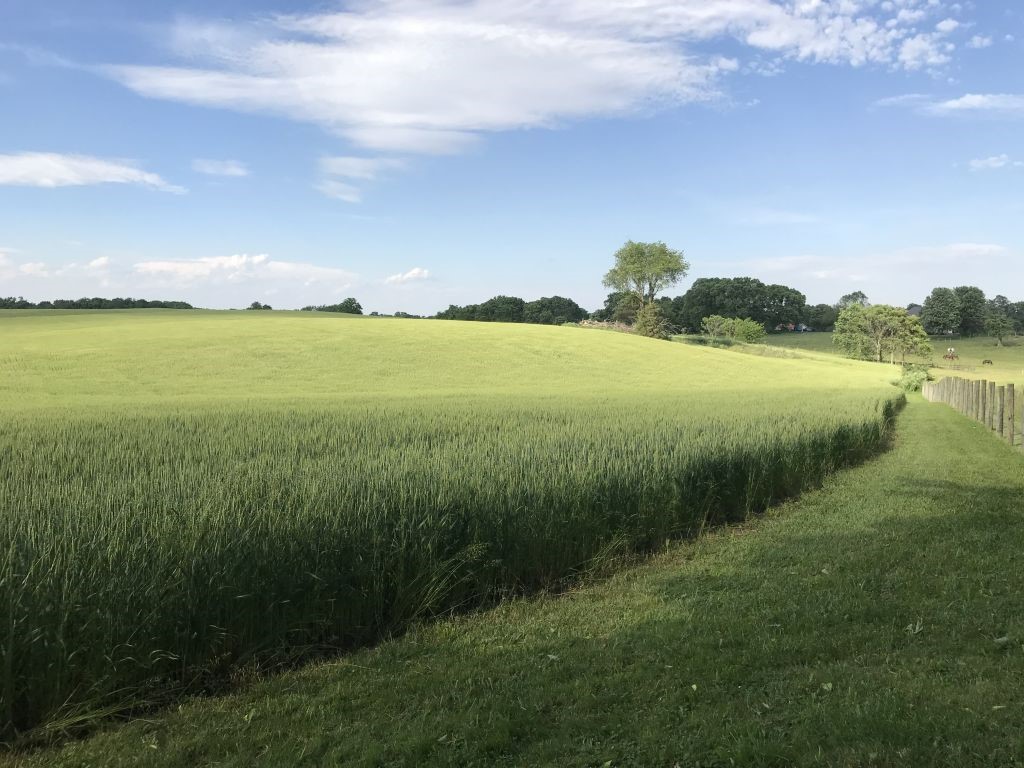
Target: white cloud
[[358, 167], [45, 169], [981, 104], [99, 263], [924, 50], [979, 41], [416, 273], [978, 103], [361, 168], [339, 190], [995, 162], [231, 168], [432, 76], [245, 268]]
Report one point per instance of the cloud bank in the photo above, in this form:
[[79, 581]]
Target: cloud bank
[[432, 76]]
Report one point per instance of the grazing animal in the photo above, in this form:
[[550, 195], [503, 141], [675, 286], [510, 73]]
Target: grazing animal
[[987, 362]]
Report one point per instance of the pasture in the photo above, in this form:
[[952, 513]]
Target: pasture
[[188, 495], [1007, 360]]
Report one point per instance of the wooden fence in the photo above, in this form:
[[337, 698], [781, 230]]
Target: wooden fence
[[994, 406]]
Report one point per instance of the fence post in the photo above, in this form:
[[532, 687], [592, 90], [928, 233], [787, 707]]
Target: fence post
[[976, 401], [1011, 403], [991, 423], [1001, 411], [984, 401]]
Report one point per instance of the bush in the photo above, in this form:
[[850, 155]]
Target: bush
[[733, 328], [651, 322], [913, 378]]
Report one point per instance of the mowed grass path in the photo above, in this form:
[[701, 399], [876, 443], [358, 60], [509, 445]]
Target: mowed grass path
[[876, 622]]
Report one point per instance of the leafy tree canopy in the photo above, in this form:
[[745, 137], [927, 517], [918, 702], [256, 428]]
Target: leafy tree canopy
[[879, 330], [998, 325], [821, 317], [770, 305], [973, 310], [550, 310], [858, 298], [941, 312], [645, 270]]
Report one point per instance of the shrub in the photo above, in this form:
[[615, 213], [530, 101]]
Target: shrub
[[651, 321], [913, 378]]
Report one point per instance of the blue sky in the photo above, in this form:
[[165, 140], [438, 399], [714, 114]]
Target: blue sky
[[417, 153]]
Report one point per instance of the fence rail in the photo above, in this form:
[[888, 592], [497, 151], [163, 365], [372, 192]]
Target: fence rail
[[995, 406]]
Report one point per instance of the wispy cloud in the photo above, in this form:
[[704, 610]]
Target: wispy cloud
[[45, 169], [979, 41], [245, 268], [995, 163], [416, 273], [433, 76], [1007, 105], [357, 168], [339, 190], [231, 168]]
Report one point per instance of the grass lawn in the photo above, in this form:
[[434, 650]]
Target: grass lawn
[[876, 622]]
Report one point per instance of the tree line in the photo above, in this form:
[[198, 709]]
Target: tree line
[[966, 311], [12, 302], [550, 310], [349, 307]]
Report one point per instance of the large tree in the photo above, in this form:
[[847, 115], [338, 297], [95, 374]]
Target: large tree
[[998, 326], [646, 269], [880, 330], [973, 310], [941, 312]]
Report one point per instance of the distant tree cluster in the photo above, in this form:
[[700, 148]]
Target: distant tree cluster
[[12, 302], [735, 297], [552, 310], [257, 307], [966, 311], [746, 297], [349, 307]]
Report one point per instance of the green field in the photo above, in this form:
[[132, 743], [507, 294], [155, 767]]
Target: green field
[[876, 622], [188, 496]]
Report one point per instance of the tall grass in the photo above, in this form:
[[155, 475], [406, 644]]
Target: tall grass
[[147, 552]]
